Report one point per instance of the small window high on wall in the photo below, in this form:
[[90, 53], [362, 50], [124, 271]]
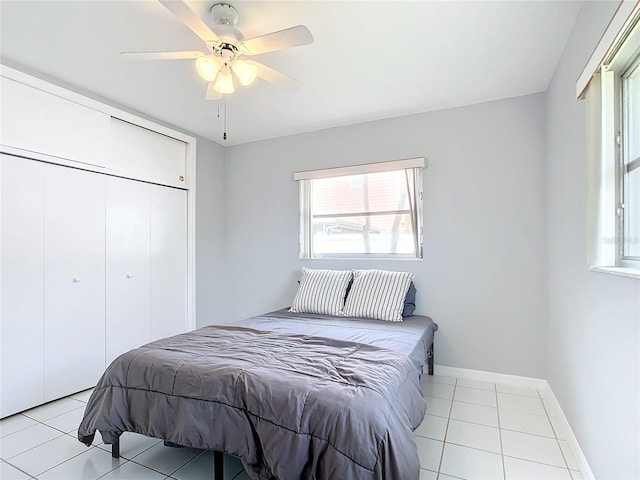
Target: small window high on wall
[[610, 84], [362, 211]]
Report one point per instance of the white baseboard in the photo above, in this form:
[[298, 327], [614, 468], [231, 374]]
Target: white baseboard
[[526, 382], [571, 439], [548, 396]]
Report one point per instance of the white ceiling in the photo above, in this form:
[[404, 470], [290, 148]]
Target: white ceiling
[[369, 60]]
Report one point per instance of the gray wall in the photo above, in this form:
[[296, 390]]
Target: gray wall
[[483, 278], [594, 318], [210, 244]]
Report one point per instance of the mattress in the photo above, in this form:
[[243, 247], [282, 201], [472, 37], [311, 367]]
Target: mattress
[[412, 337]]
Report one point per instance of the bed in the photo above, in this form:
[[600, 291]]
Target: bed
[[293, 395]]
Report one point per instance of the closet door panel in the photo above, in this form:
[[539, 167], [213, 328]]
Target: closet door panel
[[21, 284], [128, 294], [168, 261], [74, 280]]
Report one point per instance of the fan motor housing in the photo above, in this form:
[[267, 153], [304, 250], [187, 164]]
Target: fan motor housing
[[227, 52], [224, 14]]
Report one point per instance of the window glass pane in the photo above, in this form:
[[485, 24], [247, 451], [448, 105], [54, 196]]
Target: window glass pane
[[373, 192], [631, 171], [632, 117], [632, 214], [368, 214], [360, 235]]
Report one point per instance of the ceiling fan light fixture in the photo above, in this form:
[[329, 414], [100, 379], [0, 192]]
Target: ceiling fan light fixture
[[246, 72], [208, 67], [224, 83]]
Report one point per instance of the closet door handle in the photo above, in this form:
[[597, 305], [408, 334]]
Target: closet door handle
[[75, 279], [129, 275]]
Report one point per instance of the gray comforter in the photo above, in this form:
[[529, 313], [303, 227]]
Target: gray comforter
[[290, 406], [411, 337]]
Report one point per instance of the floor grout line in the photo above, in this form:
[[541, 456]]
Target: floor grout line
[[446, 430], [564, 458], [35, 446], [18, 468], [42, 422], [535, 461], [493, 406], [473, 448], [158, 471], [504, 470], [113, 469], [528, 433], [65, 461]]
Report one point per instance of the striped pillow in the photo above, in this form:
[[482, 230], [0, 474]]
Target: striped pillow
[[377, 294], [321, 291]]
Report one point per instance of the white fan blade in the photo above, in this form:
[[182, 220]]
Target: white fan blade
[[191, 20], [287, 38], [275, 77], [162, 55], [211, 93]]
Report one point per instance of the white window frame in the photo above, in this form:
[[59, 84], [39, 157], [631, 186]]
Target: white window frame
[[305, 179], [632, 64], [601, 84]]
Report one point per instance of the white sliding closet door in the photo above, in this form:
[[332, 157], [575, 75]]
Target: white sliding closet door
[[21, 284], [168, 261], [74, 279], [128, 266]]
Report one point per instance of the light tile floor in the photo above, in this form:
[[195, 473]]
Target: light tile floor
[[472, 430]]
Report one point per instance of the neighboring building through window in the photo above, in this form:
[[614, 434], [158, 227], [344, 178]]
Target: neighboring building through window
[[364, 211]]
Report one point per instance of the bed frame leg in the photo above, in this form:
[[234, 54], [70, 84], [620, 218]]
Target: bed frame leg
[[115, 449], [430, 361], [218, 465]]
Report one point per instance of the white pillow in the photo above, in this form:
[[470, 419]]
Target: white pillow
[[377, 294], [321, 291]]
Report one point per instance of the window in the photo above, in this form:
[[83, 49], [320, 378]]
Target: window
[[629, 178], [613, 135], [364, 211]]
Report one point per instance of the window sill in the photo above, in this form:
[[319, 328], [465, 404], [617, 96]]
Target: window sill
[[620, 271]]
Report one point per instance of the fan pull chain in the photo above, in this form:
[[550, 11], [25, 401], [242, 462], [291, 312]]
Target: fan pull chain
[[224, 135]]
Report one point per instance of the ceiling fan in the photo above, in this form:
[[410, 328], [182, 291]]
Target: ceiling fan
[[224, 59]]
